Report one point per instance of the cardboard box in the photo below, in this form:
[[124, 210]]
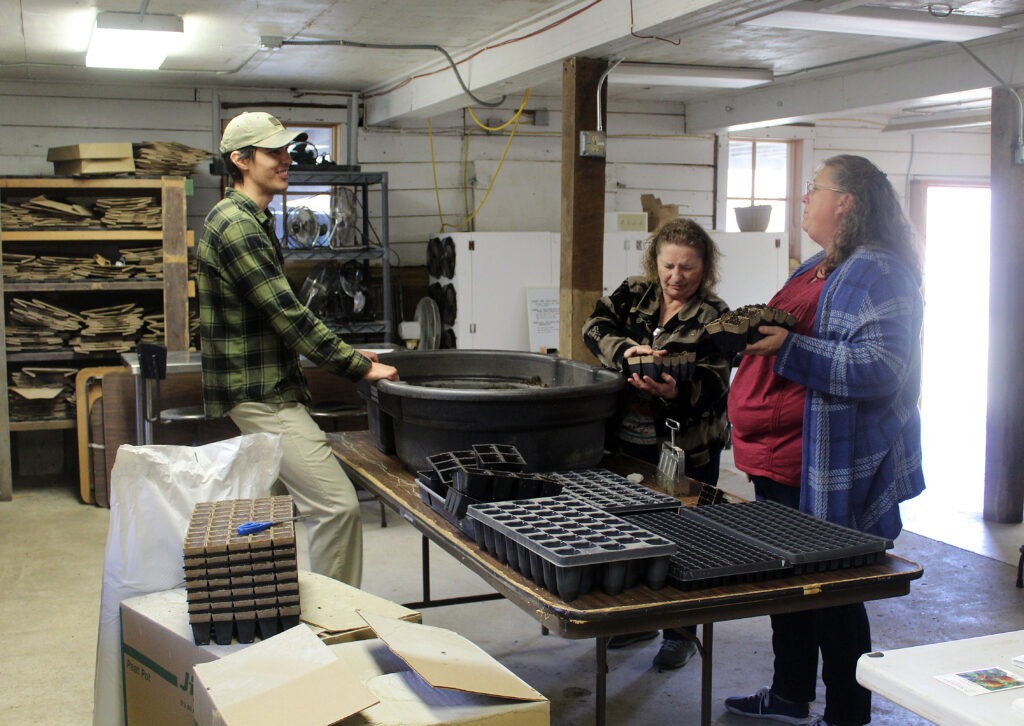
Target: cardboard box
[[109, 150], [413, 675], [158, 653], [657, 213], [79, 167]]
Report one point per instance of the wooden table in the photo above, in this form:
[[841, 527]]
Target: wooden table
[[637, 609]]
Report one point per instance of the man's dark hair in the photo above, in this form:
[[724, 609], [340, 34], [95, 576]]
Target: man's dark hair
[[246, 152]]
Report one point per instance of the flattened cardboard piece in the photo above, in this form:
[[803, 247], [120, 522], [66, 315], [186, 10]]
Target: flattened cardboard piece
[[445, 659], [37, 391], [406, 699], [290, 678], [333, 605]]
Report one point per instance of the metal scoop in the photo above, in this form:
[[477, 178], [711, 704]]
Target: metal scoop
[[673, 459]]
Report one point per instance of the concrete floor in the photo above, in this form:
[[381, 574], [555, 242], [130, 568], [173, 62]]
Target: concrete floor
[[52, 564]]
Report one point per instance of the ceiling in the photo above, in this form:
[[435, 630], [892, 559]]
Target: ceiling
[[504, 46]]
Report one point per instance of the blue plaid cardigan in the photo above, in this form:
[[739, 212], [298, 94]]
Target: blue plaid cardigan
[[862, 370]]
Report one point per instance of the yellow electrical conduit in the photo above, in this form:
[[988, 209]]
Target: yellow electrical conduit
[[433, 162]]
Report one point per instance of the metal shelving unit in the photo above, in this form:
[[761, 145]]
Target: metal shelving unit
[[372, 226]]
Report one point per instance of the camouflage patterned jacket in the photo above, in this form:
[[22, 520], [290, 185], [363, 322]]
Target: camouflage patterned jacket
[[630, 316]]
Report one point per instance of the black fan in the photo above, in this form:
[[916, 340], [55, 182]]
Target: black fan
[[321, 292], [448, 340], [303, 153], [447, 257], [448, 306], [435, 253]]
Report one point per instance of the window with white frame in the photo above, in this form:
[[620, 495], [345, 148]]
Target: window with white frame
[[758, 175]]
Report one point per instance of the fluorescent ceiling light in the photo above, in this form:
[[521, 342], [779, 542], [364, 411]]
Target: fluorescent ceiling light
[[132, 40], [662, 74], [908, 24], [935, 121]]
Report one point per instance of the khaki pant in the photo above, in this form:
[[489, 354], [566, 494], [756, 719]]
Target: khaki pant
[[319, 486]]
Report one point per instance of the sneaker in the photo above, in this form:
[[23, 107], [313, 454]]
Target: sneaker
[[674, 654], [621, 641], [764, 704]]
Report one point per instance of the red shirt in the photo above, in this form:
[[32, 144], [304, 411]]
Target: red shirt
[[766, 410]]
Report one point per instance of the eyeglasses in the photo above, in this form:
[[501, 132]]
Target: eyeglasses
[[810, 187]]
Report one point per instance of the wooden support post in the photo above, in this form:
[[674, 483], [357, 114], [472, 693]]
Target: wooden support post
[[582, 245], [1004, 449]]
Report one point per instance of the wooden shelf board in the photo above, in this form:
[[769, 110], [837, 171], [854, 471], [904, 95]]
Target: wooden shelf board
[[106, 286], [45, 425], [83, 235]]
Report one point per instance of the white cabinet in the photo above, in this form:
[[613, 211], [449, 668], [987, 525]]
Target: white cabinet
[[754, 265], [623, 257], [492, 271]]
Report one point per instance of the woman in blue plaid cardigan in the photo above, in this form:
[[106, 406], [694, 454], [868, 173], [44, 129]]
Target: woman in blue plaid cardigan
[[861, 432]]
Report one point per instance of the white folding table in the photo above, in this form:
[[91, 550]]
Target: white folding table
[[906, 676]]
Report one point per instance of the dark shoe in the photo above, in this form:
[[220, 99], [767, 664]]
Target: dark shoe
[[621, 641], [764, 704], [674, 654]]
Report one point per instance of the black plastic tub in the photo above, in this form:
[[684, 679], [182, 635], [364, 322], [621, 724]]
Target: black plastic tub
[[553, 410]]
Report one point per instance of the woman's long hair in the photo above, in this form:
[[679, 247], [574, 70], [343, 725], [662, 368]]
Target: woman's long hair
[[875, 219], [688, 233]]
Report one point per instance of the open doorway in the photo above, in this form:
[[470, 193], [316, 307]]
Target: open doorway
[[954, 377], [954, 219]]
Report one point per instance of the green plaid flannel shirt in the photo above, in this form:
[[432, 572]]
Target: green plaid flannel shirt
[[252, 326]]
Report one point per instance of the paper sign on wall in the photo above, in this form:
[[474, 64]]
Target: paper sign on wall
[[542, 316]]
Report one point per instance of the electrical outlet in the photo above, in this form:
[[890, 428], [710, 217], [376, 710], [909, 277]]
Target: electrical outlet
[[592, 143]]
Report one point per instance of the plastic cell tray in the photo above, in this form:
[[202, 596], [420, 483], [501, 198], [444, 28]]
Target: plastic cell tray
[[807, 543], [497, 486], [710, 495], [447, 463], [569, 546], [499, 457], [612, 492], [707, 556]]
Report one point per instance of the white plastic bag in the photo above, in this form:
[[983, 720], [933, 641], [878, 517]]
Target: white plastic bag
[[153, 490]]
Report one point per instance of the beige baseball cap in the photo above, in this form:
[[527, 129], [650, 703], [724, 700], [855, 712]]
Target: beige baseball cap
[[256, 128]]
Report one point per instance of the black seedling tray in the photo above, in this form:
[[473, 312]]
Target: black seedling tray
[[710, 495], [498, 486], [448, 462], [569, 546], [807, 543], [611, 492], [705, 555], [499, 457]]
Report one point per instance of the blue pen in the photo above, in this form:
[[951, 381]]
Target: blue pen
[[254, 527]]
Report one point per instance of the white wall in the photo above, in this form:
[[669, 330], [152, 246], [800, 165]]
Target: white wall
[[647, 151]]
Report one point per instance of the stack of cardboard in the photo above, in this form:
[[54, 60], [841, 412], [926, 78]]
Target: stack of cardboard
[[156, 158], [41, 394], [101, 159]]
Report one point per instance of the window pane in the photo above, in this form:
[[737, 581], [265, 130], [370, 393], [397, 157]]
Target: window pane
[[771, 170], [777, 222], [740, 177], [322, 139], [730, 214]]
